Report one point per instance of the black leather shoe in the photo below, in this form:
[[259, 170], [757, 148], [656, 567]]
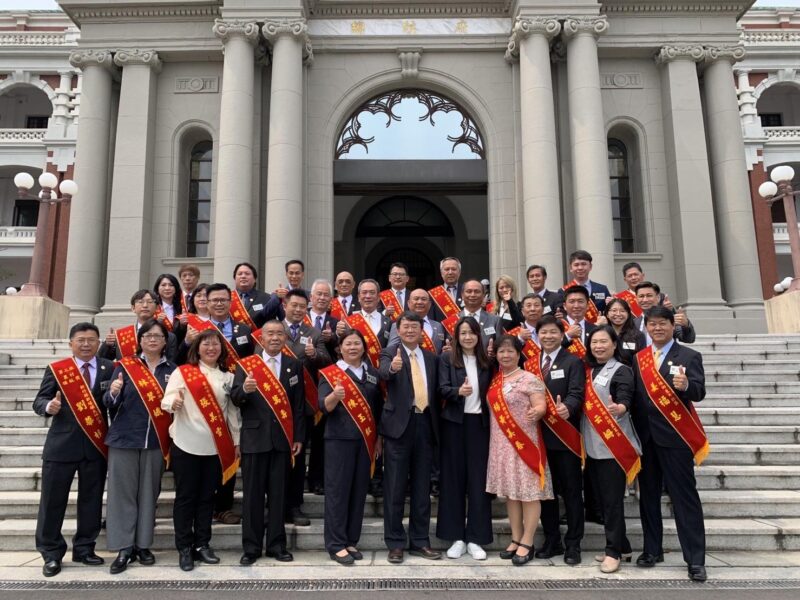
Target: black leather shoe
[[90, 559], [376, 489], [594, 517], [298, 518], [518, 559], [248, 559], [647, 560], [347, 559], [145, 556], [185, 559], [550, 550], [121, 562], [356, 554], [509, 554], [319, 490], [697, 573], [282, 555], [572, 556], [51, 568], [206, 555], [434, 489]]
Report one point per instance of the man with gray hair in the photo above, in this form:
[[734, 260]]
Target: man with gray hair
[[368, 299], [447, 297]]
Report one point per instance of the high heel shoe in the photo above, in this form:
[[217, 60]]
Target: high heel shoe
[[509, 554], [518, 560]]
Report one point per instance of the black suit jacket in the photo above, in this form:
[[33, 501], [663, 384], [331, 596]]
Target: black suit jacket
[[261, 306], [571, 389], [353, 306], [647, 420], [261, 431], [450, 380], [66, 441], [400, 393], [333, 343], [600, 294], [588, 328], [173, 345], [385, 331], [436, 314], [339, 424], [683, 334]]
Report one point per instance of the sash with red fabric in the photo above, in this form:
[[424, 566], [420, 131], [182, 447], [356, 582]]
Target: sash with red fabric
[[563, 429], [683, 419], [206, 402], [199, 324], [609, 431], [150, 392], [166, 321], [357, 407], [426, 343], [239, 312], [81, 402], [519, 440], [309, 385], [576, 346], [126, 340], [337, 310], [630, 298], [389, 298], [444, 301], [591, 309], [449, 324], [358, 322], [529, 350], [184, 306]]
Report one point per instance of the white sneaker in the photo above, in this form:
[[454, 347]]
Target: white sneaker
[[457, 550], [476, 551]]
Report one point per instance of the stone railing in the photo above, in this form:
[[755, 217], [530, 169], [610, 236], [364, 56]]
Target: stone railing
[[33, 38], [770, 36], [782, 134], [16, 236], [22, 136], [780, 233]]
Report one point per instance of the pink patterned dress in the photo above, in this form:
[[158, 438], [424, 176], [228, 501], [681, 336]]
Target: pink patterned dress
[[508, 476]]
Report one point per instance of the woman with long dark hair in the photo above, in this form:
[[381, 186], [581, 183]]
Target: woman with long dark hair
[[168, 304], [631, 340]]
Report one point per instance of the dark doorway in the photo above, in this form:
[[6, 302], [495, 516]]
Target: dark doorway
[[422, 269]]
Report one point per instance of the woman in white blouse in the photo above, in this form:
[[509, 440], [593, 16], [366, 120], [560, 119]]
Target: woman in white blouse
[[195, 459], [465, 509]]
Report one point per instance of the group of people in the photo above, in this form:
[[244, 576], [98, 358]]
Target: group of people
[[350, 390]]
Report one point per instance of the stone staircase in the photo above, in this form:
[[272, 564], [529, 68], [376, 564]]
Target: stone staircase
[[750, 483]]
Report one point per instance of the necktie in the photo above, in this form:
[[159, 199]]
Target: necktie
[[293, 328], [87, 375], [273, 365], [418, 381], [400, 298], [344, 305], [220, 326], [657, 356], [318, 323], [546, 366], [452, 291]]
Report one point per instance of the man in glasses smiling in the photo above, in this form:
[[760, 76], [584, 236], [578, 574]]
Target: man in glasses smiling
[[121, 342]]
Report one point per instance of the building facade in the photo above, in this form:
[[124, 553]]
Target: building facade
[[351, 134]]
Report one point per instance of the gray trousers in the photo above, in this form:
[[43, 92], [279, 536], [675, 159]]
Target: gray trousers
[[134, 483]]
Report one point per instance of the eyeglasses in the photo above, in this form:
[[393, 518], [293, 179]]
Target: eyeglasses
[[152, 336], [218, 300], [85, 341], [143, 302], [398, 274]]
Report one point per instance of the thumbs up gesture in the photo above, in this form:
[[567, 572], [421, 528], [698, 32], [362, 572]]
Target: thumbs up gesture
[[111, 338], [341, 328], [281, 291], [681, 318], [616, 410], [177, 404], [338, 392], [561, 409], [397, 361], [250, 384], [116, 386], [310, 350], [390, 311], [490, 348], [465, 389], [54, 405], [680, 380], [327, 333], [447, 347]]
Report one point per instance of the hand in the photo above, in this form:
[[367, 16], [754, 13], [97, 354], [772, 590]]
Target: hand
[[338, 392], [390, 311], [296, 448], [111, 338], [397, 361], [506, 295], [681, 318], [327, 334], [177, 404], [237, 452], [680, 381], [532, 415], [341, 328], [447, 347], [54, 405], [311, 351], [524, 334], [601, 320], [616, 410], [161, 318], [559, 314], [666, 302], [183, 318], [250, 385], [281, 291], [561, 409], [378, 447], [191, 334], [116, 386], [465, 389], [490, 348], [574, 331]]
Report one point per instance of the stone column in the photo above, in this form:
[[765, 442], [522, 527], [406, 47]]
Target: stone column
[[530, 43], [691, 214], [88, 211], [594, 227], [128, 265], [732, 203], [285, 226], [234, 196]]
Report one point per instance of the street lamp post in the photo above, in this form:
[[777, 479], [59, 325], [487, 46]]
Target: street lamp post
[[780, 188], [37, 285]]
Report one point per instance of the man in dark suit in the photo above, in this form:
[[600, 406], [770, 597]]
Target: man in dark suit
[[265, 449], [189, 276], [368, 298], [532, 307], [565, 377], [261, 306], [666, 457], [419, 302], [321, 318], [648, 294], [344, 284], [143, 305], [398, 278], [450, 269], [491, 325], [576, 302], [537, 280], [295, 270], [409, 426], [580, 267], [67, 450]]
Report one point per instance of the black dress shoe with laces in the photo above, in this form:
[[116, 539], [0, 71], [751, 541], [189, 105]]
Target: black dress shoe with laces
[[145, 556], [282, 555], [647, 560], [572, 556], [90, 559], [206, 555], [51, 568], [550, 550], [248, 559], [121, 562], [697, 573], [185, 559]]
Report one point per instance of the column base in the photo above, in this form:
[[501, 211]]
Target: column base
[[710, 317], [750, 317], [783, 313], [113, 316], [33, 317]]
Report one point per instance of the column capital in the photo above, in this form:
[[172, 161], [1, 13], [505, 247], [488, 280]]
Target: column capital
[[137, 56], [298, 28], [732, 54], [691, 52], [549, 27], [225, 30], [596, 26], [92, 58]]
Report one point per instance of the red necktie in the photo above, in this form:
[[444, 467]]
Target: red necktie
[[87, 376], [546, 366]]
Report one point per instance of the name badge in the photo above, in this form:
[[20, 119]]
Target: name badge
[[488, 330], [258, 307], [242, 339], [507, 388], [507, 316], [372, 379], [601, 380], [674, 370], [304, 339], [293, 380], [599, 295], [386, 334], [166, 377], [557, 374], [104, 385], [629, 345], [547, 309], [440, 336]]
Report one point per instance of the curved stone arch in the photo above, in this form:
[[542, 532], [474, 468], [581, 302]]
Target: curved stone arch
[[776, 78], [14, 81], [638, 134]]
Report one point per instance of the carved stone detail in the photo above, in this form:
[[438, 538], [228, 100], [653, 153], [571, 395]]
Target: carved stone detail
[[549, 27], [732, 54], [137, 56], [196, 85], [621, 81], [89, 58], [274, 28], [225, 30], [596, 26], [668, 54], [409, 62]]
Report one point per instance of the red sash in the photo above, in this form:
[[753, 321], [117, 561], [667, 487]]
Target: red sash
[[449, 324], [337, 311], [610, 432], [271, 391], [206, 401], [563, 429], [389, 298], [576, 346], [167, 322], [359, 323], [126, 340], [199, 324], [530, 350], [357, 407], [684, 420], [524, 446], [307, 320], [150, 392], [630, 298], [184, 307], [239, 312], [591, 309], [444, 301], [309, 385], [426, 343], [79, 397], [489, 307]]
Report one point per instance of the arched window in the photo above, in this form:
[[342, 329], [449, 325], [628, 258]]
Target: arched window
[[621, 196], [198, 233]]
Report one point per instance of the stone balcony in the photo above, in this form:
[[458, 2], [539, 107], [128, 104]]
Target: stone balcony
[[780, 232], [46, 39], [16, 242], [782, 135], [22, 136]]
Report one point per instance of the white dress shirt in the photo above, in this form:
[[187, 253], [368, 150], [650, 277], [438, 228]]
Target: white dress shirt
[[92, 368], [374, 319], [472, 403], [357, 371]]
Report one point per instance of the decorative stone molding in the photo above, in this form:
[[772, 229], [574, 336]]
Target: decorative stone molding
[[137, 56], [733, 54], [596, 26], [621, 81], [692, 52], [770, 37], [747, 101], [676, 7], [89, 58], [226, 30], [21, 136], [409, 62], [177, 11], [546, 26], [274, 28], [196, 85], [418, 8], [34, 38]]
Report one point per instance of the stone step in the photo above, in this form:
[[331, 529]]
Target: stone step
[[748, 416], [765, 375], [22, 436], [715, 400], [749, 387], [740, 434]]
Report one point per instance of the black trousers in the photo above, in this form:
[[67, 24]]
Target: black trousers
[[56, 480], [297, 474], [196, 478], [316, 455], [223, 496], [565, 469], [264, 474], [346, 483], [675, 467], [408, 456], [465, 509], [608, 480]]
